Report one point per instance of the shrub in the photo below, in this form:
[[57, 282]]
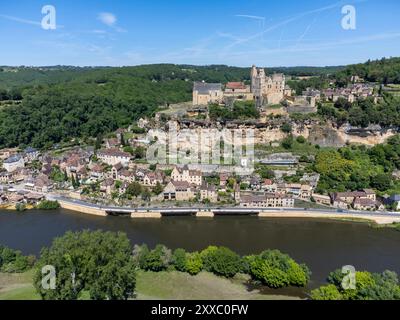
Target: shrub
[[207, 256], [140, 254], [329, 292], [48, 205], [221, 261], [277, 270], [12, 261], [179, 260], [287, 143], [286, 128], [158, 259], [20, 207], [269, 275], [384, 286], [301, 139], [193, 263]]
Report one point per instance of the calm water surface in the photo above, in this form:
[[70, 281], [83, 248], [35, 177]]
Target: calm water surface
[[324, 245]]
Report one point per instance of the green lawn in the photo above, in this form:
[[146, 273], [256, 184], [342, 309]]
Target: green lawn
[[204, 286], [17, 286], [154, 286]]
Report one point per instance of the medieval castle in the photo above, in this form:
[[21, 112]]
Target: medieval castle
[[263, 90]]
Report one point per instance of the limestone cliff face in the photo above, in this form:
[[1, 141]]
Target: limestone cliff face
[[325, 135]]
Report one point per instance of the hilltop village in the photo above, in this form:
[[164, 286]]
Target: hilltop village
[[114, 170]]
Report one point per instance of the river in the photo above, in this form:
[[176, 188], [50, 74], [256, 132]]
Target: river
[[324, 245]]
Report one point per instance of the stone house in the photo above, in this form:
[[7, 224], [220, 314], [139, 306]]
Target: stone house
[[268, 200], [321, 199], [205, 93], [42, 184], [208, 192], [114, 156], [178, 191], [152, 178], [185, 175]]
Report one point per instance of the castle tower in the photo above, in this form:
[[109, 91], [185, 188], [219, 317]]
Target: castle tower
[[253, 75], [257, 84]]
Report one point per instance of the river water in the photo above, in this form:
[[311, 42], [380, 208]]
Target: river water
[[324, 245]]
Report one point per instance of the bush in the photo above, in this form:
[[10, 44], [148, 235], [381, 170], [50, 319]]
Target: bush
[[384, 286], [287, 143], [12, 261], [221, 261], [48, 205], [329, 292], [277, 270], [286, 128], [301, 139], [158, 259], [179, 260], [20, 207], [193, 263], [207, 256], [140, 254]]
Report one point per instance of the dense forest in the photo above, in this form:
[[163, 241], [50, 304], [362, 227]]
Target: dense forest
[[364, 112], [357, 167], [18, 77], [383, 71], [54, 104]]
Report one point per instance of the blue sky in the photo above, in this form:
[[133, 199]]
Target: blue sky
[[241, 33]]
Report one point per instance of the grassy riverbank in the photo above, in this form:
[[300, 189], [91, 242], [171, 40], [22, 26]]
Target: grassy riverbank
[[17, 286], [204, 286], [154, 286]]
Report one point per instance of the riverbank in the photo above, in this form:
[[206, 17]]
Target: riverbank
[[323, 244], [13, 207], [155, 286], [87, 208], [377, 219]]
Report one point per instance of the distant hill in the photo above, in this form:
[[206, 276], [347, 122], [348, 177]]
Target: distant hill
[[59, 103], [386, 70], [16, 77]]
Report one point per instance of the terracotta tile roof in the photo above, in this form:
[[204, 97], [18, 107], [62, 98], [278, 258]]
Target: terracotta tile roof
[[235, 85]]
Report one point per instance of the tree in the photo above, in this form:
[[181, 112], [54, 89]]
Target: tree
[[382, 182], [146, 194], [123, 143], [158, 189], [134, 189], [98, 263], [98, 143]]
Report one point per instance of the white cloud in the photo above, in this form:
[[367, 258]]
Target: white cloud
[[16, 19], [110, 19], [107, 18]]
